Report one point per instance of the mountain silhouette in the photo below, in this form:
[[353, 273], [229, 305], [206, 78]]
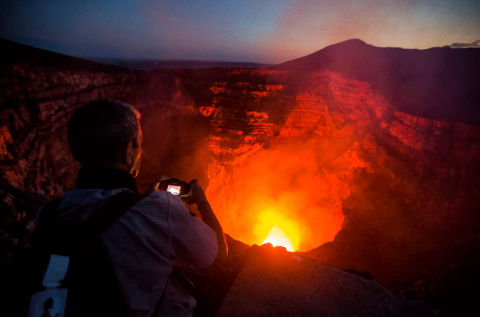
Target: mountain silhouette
[[438, 83]]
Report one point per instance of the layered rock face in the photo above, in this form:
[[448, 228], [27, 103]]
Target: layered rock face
[[301, 173], [243, 114], [36, 104], [415, 195]]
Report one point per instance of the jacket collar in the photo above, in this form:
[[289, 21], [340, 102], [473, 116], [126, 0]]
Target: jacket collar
[[105, 178]]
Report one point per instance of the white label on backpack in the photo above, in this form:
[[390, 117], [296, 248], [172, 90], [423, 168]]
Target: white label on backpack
[[48, 303], [52, 301], [56, 270]]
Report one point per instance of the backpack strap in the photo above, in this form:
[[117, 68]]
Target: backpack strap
[[74, 238], [79, 238], [91, 280], [91, 231]]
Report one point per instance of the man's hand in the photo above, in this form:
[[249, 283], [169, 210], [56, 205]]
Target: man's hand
[[198, 195], [154, 186]]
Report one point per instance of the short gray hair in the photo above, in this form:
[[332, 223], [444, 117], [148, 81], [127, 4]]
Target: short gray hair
[[100, 131]]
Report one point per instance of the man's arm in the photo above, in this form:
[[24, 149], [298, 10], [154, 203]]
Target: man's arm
[[208, 216]]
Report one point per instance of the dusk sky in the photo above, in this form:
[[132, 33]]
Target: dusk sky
[[221, 30]]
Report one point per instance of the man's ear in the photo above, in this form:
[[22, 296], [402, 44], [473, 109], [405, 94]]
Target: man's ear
[[129, 153]]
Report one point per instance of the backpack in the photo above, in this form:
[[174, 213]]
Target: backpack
[[93, 289]]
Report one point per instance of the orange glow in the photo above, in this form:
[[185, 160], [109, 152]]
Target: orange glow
[[273, 187], [280, 230], [277, 237]]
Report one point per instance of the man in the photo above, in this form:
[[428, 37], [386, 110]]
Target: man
[[105, 137]]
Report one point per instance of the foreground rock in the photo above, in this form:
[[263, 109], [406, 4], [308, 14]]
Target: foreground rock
[[277, 283]]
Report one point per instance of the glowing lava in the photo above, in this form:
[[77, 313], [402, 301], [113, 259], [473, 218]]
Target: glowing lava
[[277, 237]]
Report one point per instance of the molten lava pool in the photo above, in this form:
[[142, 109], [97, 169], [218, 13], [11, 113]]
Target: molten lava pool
[[279, 198], [277, 237]]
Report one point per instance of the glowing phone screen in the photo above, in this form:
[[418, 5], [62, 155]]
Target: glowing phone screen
[[174, 190]]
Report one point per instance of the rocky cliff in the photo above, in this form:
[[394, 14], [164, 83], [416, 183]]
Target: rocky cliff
[[36, 101]]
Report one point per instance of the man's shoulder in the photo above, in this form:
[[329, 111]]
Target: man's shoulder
[[156, 198], [166, 204], [160, 200]]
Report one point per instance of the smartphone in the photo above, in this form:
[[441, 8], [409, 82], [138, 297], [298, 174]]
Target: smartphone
[[174, 189]]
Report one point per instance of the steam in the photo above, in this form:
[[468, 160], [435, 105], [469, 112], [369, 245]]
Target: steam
[[174, 144]]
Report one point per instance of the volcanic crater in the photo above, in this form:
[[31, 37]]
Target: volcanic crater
[[365, 158]]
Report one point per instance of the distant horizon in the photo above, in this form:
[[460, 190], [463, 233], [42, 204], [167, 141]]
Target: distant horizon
[[456, 45], [128, 59], [153, 64]]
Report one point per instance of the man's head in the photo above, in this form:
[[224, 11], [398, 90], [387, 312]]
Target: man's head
[[106, 133]]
